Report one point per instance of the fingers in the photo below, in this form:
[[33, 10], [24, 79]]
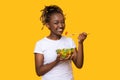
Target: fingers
[[84, 33], [59, 57], [82, 37], [68, 57], [71, 56], [65, 59]]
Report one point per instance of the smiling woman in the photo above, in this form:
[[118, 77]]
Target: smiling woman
[[56, 25], [51, 63], [53, 18]]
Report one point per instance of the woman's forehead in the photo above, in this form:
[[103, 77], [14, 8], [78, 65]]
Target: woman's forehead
[[57, 16]]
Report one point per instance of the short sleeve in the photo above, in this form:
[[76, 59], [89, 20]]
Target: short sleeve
[[73, 44], [38, 48]]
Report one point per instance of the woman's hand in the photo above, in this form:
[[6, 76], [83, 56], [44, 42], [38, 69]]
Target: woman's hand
[[82, 37], [59, 58]]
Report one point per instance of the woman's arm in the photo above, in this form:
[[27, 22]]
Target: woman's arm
[[78, 55], [40, 68]]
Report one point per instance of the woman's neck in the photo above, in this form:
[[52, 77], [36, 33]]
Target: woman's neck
[[54, 37]]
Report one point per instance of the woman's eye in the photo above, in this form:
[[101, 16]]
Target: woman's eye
[[59, 22], [56, 23]]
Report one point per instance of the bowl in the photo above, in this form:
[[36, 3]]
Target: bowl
[[65, 52]]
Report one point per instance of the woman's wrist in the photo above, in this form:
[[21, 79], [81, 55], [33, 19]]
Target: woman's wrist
[[57, 61], [80, 42]]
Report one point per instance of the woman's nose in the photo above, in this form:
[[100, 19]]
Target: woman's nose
[[60, 25]]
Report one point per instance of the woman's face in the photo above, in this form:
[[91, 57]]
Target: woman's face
[[56, 24]]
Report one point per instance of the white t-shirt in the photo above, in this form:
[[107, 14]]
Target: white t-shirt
[[48, 47]]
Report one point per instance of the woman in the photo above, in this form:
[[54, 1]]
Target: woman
[[49, 64]]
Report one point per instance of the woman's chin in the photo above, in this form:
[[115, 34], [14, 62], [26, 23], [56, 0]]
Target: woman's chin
[[60, 33]]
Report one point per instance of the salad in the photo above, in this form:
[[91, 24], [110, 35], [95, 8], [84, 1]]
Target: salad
[[65, 52]]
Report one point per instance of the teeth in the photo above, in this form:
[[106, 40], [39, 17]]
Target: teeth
[[60, 30]]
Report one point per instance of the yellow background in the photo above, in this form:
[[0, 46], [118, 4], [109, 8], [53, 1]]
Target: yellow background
[[20, 28]]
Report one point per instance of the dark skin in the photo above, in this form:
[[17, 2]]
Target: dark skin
[[56, 25]]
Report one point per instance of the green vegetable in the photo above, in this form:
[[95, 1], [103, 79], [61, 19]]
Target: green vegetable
[[65, 52]]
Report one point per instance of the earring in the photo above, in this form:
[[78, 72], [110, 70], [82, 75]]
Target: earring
[[42, 28]]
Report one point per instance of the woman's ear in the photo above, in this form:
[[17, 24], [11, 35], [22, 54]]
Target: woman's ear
[[47, 25]]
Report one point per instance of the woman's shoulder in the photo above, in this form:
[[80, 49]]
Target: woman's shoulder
[[41, 41], [66, 38]]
